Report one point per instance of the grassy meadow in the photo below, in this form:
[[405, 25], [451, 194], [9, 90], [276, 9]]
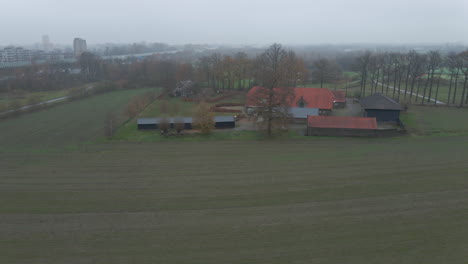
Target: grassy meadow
[[63, 126], [440, 121]]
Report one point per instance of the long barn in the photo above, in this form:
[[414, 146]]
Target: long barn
[[153, 123], [346, 126]]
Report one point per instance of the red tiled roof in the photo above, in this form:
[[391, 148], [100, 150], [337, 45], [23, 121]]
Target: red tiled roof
[[339, 96], [313, 97], [342, 122]]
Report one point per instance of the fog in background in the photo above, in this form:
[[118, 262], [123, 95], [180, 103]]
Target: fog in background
[[235, 22]]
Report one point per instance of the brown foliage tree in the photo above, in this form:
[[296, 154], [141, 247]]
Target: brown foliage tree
[[203, 118], [179, 125], [164, 126]]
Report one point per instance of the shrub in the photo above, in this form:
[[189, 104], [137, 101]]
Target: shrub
[[224, 110], [229, 104]]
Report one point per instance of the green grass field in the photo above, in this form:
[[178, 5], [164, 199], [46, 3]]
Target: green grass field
[[7, 101], [27, 98], [424, 120], [320, 201], [63, 126]]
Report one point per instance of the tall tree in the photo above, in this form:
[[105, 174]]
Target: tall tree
[[362, 65], [274, 97], [463, 64], [454, 70], [434, 64], [90, 65], [326, 70], [417, 61]]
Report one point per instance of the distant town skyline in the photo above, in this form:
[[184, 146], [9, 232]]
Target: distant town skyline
[[235, 22]]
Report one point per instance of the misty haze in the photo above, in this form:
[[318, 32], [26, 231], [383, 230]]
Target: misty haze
[[234, 131]]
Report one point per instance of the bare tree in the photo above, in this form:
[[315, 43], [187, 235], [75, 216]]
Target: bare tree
[[362, 65], [274, 97], [375, 64], [111, 123], [464, 69], [91, 65], [452, 61], [326, 70], [434, 63], [417, 62], [296, 72]]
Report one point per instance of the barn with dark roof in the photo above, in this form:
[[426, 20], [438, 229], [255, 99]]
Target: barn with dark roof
[[383, 108]]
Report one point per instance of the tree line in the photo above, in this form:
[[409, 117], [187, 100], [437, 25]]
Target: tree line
[[414, 77]]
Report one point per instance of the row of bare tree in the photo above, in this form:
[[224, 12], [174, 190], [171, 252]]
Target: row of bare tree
[[415, 77], [224, 72]]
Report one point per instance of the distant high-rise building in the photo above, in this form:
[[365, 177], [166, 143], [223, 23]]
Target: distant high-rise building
[[15, 54], [79, 46], [46, 45]]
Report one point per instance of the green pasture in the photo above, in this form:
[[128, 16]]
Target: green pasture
[[8, 101], [441, 120], [64, 125]]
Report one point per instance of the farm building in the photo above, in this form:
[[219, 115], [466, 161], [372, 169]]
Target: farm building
[[319, 98], [147, 123], [341, 126], [153, 123], [224, 122], [184, 89], [383, 108], [339, 99]]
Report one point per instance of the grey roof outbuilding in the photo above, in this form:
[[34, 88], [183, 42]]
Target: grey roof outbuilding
[[224, 119]]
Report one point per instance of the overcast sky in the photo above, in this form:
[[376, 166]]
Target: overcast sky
[[235, 21]]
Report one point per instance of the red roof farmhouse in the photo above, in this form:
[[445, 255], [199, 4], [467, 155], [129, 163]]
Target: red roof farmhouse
[[320, 98]]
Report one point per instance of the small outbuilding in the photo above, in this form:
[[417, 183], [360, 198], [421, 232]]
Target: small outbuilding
[[147, 123], [224, 122], [341, 126], [383, 108]]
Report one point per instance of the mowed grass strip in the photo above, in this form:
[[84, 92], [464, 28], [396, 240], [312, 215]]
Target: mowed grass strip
[[319, 201], [64, 125]]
